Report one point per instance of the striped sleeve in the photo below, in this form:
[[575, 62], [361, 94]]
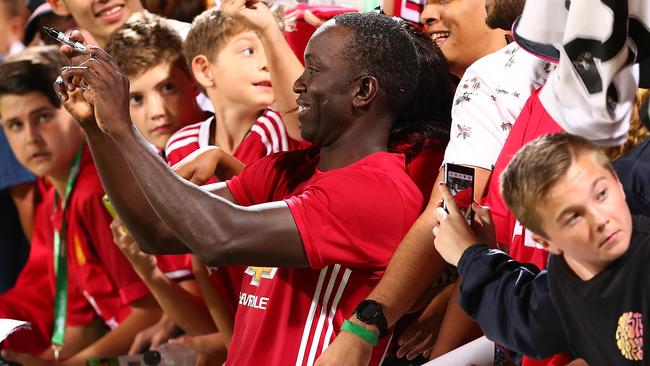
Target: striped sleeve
[[182, 143]]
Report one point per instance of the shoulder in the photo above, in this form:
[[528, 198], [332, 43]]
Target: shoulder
[[510, 65], [186, 135], [269, 127], [378, 175]]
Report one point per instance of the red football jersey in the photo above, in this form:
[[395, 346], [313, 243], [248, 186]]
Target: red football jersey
[[350, 220], [533, 122], [267, 135]]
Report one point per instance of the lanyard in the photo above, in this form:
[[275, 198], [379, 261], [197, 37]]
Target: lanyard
[[60, 262]]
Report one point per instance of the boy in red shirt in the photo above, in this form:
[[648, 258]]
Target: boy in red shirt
[[46, 140]]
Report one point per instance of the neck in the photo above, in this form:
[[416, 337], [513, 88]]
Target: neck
[[492, 41], [59, 181], [584, 271], [233, 123], [356, 143]]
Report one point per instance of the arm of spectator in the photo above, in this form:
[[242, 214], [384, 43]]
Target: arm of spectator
[[283, 64], [420, 336], [511, 302], [144, 313], [221, 315], [204, 163], [457, 328], [154, 336], [217, 231], [181, 302]]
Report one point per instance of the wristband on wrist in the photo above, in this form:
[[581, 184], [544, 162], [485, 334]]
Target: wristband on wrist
[[361, 332]]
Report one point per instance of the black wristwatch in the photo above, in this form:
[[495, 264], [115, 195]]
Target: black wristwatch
[[370, 312]]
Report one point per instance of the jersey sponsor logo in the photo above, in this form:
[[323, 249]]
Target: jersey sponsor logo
[[527, 234], [257, 273], [253, 301]]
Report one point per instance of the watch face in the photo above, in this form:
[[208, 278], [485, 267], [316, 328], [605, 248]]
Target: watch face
[[368, 311]]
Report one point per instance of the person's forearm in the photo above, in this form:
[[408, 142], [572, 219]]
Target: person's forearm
[[285, 69], [219, 311], [179, 302], [217, 231], [195, 217], [127, 198], [457, 328], [511, 302], [118, 340], [413, 268]]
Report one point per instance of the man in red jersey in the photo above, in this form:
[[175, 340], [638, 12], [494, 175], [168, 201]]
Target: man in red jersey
[[323, 222]]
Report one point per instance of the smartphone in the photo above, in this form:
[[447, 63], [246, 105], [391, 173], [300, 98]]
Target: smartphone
[[109, 206], [460, 181]]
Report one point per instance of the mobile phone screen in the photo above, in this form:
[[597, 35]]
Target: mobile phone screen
[[460, 181]]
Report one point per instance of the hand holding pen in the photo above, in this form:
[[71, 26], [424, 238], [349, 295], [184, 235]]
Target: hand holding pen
[[61, 37]]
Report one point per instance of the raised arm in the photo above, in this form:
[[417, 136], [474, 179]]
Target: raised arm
[[284, 65], [217, 231], [115, 175]]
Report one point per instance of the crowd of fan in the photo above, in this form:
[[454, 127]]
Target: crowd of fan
[[264, 185]]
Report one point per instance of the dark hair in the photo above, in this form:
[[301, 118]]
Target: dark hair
[[145, 41], [34, 73], [427, 118], [379, 46]]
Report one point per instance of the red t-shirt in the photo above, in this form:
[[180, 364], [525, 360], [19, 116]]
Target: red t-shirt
[[533, 121], [32, 297], [105, 276], [350, 220], [267, 135]]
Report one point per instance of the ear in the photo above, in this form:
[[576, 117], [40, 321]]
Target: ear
[[59, 8], [365, 91], [203, 72], [546, 244]]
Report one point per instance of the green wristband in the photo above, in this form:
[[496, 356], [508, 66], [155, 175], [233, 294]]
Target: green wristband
[[360, 332]]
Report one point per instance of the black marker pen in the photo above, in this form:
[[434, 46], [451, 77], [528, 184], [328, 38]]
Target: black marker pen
[[61, 37]]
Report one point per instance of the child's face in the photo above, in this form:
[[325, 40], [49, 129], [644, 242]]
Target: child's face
[[162, 100], [241, 73], [44, 138], [99, 18], [585, 216]]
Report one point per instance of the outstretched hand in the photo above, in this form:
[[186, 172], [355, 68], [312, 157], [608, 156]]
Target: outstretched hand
[[453, 234], [95, 85], [203, 164], [254, 14]]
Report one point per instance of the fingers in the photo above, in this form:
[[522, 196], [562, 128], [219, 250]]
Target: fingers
[[448, 198], [140, 344], [418, 341], [482, 213], [440, 214], [59, 89], [312, 19]]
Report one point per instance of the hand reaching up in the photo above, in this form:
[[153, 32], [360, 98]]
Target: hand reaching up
[[254, 14]]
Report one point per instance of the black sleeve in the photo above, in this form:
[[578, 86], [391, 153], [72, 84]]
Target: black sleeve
[[511, 302]]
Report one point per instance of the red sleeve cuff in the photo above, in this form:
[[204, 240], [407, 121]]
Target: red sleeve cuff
[[295, 206], [133, 292]]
